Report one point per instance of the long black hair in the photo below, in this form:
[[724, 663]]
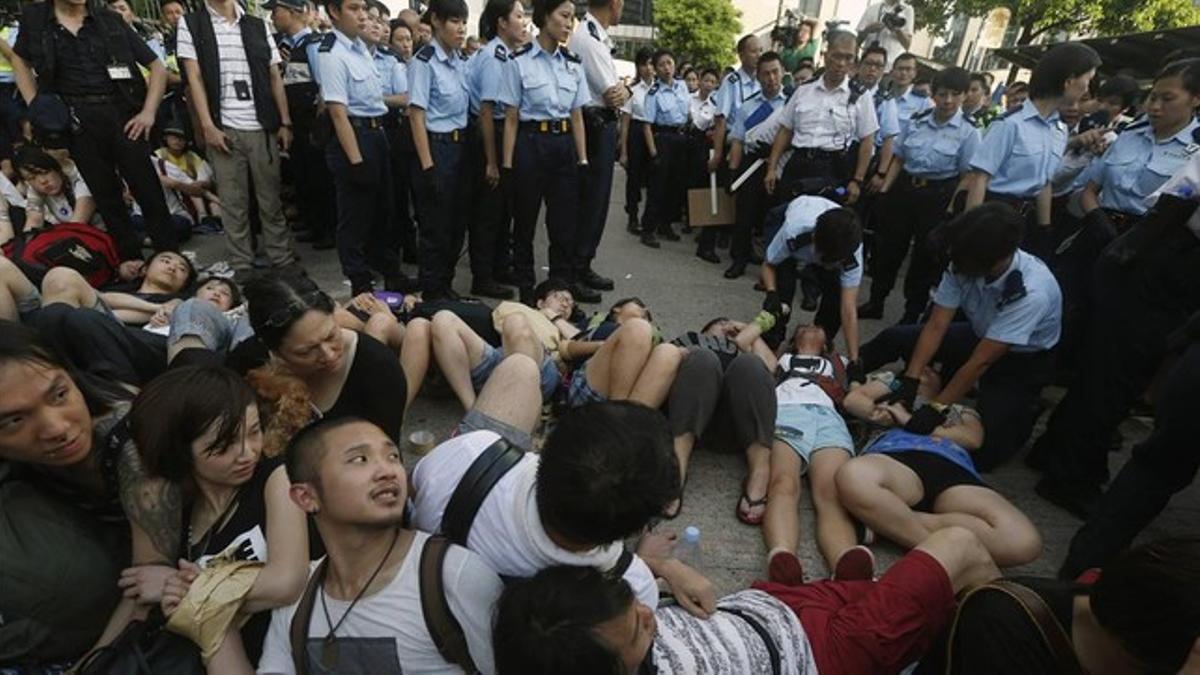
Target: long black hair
[[22, 344], [277, 301], [492, 13]]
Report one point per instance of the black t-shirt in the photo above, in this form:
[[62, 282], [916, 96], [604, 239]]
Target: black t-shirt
[[725, 349], [995, 636], [375, 388], [81, 59]]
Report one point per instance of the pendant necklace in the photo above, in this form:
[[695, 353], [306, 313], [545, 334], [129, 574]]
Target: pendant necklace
[[329, 645]]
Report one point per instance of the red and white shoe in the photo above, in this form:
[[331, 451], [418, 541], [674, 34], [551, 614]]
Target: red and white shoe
[[783, 567], [855, 564]]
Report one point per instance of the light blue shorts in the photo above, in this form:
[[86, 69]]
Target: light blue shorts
[[807, 428], [492, 356]]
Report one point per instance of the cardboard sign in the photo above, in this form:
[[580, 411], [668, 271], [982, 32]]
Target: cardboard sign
[[710, 206]]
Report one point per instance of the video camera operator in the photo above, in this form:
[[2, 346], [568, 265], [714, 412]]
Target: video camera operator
[[888, 24]]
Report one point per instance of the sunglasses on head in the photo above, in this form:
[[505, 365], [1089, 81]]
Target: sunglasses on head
[[285, 315]]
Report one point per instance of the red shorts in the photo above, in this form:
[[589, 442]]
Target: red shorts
[[873, 627]]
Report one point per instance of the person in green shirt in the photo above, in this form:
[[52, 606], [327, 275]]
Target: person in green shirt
[[803, 47]]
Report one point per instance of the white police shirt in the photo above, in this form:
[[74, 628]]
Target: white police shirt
[[591, 43], [824, 118]]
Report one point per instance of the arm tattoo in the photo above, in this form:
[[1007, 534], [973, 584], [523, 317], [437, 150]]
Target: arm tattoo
[[153, 504]]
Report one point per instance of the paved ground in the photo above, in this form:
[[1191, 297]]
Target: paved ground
[[683, 292]]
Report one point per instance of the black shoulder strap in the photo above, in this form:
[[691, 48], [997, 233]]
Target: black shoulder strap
[[445, 630], [483, 474], [622, 565], [298, 630], [1054, 635]]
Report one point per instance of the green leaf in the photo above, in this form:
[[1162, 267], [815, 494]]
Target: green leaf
[[698, 31]]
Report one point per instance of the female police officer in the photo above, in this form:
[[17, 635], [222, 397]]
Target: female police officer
[[438, 115], [667, 106], [544, 144]]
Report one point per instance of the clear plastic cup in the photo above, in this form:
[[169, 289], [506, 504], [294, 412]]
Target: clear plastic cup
[[421, 441]]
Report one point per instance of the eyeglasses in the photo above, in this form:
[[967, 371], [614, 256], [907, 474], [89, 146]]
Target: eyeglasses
[[873, 64], [285, 315]]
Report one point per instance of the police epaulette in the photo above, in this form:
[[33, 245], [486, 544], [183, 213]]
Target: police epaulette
[[569, 55], [595, 32], [922, 114], [523, 49], [856, 90], [1010, 113], [327, 42], [425, 53], [386, 51], [1196, 135], [309, 38], [652, 90], [810, 80], [501, 52], [1140, 123], [734, 77]]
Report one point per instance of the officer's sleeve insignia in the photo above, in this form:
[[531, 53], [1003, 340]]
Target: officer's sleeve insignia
[[425, 53], [327, 42]]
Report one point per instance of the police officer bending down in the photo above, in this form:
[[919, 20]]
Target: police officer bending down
[[1013, 309], [358, 153], [545, 146]]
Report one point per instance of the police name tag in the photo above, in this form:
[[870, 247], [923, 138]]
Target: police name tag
[[120, 73]]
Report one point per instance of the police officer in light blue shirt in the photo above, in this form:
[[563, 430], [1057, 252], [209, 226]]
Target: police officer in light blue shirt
[[437, 112], [503, 26], [929, 159], [357, 153], [1021, 151], [545, 146], [734, 91], [1013, 307], [908, 103], [667, 106], [1142, 158]]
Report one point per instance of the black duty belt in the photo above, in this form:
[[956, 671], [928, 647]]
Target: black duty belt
[[669, 128], [89, 99], [602, 114], [560, 126], [368, 122], [819, 154], [919, 183], [1023, 206], [456, 136], [1122, 220]]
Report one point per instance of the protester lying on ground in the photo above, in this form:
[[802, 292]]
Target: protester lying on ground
[[724, 393], [907, 485], [168, 277], [579, 620]]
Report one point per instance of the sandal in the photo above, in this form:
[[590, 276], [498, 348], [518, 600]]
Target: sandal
[[678, 508], [750, 504]]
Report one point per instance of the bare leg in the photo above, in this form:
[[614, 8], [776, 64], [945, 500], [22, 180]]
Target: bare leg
[[835, 529], [613, 370], [880, 492], [683, 445], [781, 524], [231, 656], [65, 285], [518, 337], [656, 378], [385, 328], [962, 555], [414, 354], [1006, 532], [457, 349], [513, 394], [14, 287], [758, 464]]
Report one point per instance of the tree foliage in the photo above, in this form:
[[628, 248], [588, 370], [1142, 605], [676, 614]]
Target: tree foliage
[[1035, 17], [698, 31]]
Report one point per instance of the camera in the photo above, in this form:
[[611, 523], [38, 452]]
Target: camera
[[894, 19]]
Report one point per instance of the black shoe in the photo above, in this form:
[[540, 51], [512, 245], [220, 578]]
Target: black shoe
[[708, 255], [324, 244], [399, 282], [736, 270], [306, 236], [665, 232], [809, 303], [491, 289], [589, 278], [634, 227], [648, 239], [871, 309], [582, 293], [357, 289], [1081, 501]]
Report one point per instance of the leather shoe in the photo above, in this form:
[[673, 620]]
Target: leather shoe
[[736, 270], [708, 256], [667, 233], [648, 239], [582, 293], [590, 279], [491, 289], [1081, 501], [633, 227], [870, 310]]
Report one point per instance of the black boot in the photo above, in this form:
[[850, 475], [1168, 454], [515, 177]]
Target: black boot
[[736, 270], [589, 278], [582, 293], [665, 232], [489, 288], [872, 309], [708, 255]]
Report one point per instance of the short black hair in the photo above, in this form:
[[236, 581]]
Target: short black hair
[[447, 9], [304, 451], [492, 13], [1061, 63], [606, 470], [277, 301], [1187, 70], [235, 293], [659, 53], [875, 48], [544, 8], [1017, 86], [905, 56], [35, 160], [551, 285], [837, 234], [164, 3], [180, 406], [644, 55], [978, 77], [546, 625], [982, 237], [742, 41], [1148, 598], [768, 57], [190, 281], [952, 79]]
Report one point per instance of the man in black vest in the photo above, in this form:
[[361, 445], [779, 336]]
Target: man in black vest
[[88, 57], [230, 64]]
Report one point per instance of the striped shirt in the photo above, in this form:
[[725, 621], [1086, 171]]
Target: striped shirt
[[235, 114]]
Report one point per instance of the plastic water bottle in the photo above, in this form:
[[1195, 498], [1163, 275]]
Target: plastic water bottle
[[687, 549]]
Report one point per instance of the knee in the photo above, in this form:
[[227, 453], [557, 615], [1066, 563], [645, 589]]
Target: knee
[[1022, 545], [444, 324], [8, 269], [964, 543], [668, 356], [784, 486], [635, 330], [62, 280], [854, 483], [825, 492], [516, 327], [379, 324], [519, 368], [417, 329]]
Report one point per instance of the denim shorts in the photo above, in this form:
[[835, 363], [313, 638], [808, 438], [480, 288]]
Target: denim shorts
[[478, 421], [806, 428], [581, 393], [201, 319], [492, 356]]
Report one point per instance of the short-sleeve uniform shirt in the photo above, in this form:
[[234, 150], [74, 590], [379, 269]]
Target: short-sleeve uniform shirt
[[799, 222], [825, 118]]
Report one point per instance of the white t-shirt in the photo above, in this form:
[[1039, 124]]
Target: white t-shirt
[[174, 204], [386, 632], [887, 39], [10, 192], [235, 114], [726, 643], [800, 389], [635, 107], [57, 208], [508, 532]]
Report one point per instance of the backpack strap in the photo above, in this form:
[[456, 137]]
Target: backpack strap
[[298, 631], [475, 485], [445, 630], [1055, 636], [618, 570]]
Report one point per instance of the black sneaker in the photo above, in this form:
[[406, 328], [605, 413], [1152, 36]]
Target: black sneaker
[[582, 293], [870, 310], [634, 227], [589, 278], [648, 239], [399, 282], [491, 289]]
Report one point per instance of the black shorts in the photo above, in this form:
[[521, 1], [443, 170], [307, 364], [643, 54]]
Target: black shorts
[[937, 475]]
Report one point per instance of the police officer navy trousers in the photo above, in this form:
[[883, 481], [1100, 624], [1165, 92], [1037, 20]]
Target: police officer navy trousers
[[545, 168], [364, 198]]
